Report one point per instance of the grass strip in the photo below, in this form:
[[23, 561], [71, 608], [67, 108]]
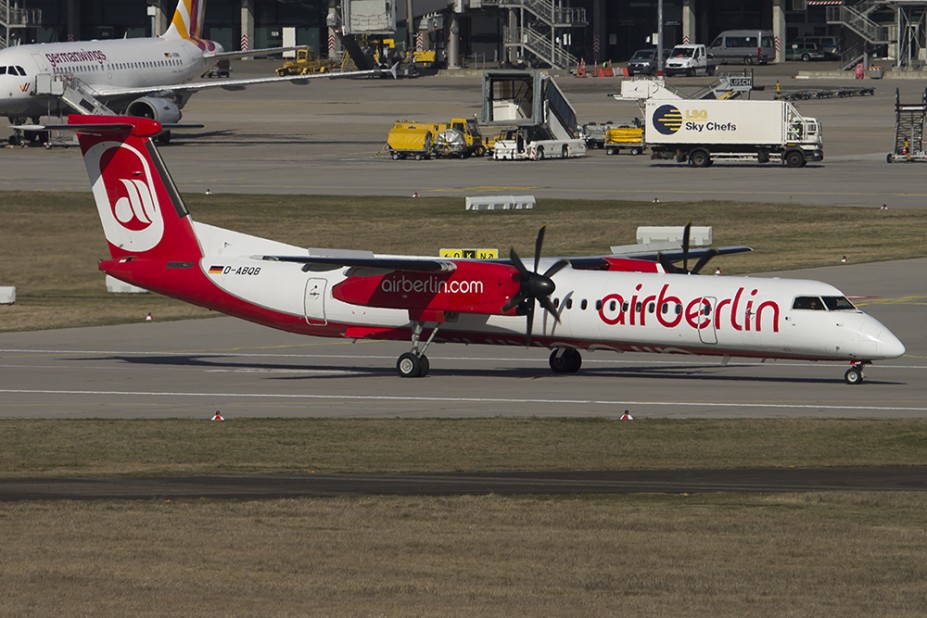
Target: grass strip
[[37, 448]]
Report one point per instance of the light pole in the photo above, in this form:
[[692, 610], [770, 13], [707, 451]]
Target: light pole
[[659, 36]]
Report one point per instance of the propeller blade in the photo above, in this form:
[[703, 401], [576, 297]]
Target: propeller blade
[[513, 302], [703, 260], [685, 247], [668, 265], [538, 245], [518, 264], [547, 304], [556, 268], [530, 314]]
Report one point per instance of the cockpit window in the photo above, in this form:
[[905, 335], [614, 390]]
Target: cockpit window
[[2, 70], [808, 302], [838, 303]]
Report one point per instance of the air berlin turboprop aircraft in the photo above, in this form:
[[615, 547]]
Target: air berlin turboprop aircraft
[[149, 77], [590, 303]]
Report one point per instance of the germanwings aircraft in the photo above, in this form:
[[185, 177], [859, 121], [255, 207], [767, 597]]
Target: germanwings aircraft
[[588, 303], [147, 77]]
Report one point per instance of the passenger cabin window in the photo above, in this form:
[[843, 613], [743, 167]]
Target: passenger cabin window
[[812, 303]]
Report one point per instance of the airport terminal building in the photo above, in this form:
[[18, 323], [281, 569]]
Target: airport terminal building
[[484, 32]]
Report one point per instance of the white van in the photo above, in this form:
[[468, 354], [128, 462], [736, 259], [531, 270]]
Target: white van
[[746, 46]]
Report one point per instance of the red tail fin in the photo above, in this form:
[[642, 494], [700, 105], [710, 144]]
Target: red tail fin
[[141, 211]]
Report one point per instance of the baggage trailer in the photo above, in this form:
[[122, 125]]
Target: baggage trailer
[[702, 131]]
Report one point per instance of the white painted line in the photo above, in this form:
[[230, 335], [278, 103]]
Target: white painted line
[[597, 402]]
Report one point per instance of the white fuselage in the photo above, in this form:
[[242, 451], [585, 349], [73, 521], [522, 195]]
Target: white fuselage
[[608, 310], [105, 66]]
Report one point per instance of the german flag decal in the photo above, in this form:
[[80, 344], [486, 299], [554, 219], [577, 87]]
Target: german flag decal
[[216, 270]]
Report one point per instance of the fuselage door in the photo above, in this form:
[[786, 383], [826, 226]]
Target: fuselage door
[[706, 320], [315, 301]]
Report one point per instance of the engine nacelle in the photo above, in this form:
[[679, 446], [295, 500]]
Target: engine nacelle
[[163, 110]]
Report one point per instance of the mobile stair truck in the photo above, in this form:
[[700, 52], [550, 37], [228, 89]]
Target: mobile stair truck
[[543, 120], [702, 131]]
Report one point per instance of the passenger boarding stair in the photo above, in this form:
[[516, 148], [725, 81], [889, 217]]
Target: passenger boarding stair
[[82, 98], [909, 131]]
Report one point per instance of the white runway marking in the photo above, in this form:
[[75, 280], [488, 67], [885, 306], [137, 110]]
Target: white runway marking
[[681, 404]]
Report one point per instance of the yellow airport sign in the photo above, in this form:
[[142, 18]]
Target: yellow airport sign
[[473, 254]]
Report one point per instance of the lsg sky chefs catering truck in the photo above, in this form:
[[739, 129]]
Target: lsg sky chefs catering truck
[[701, 131]]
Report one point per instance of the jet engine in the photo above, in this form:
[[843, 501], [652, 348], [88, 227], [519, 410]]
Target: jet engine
[[163, 110]]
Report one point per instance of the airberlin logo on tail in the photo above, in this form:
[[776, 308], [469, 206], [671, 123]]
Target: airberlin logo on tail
[[124, 190], [667, 119]]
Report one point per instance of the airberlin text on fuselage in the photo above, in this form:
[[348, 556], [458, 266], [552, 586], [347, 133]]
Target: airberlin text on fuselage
[[93, 55], [429, 285], [743, 312]]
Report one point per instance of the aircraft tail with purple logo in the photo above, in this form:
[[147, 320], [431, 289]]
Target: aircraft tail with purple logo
[[187, 23]]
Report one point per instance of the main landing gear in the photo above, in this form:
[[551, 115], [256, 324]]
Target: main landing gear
[[854, 374], [565, 360], [414, 364]]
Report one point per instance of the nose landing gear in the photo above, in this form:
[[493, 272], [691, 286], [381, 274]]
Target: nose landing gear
[[854, 374]]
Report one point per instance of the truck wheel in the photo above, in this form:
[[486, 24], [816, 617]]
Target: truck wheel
[[395, 156], [418, 156], [565, 152], [794, 158], [710, 70], [748, 59], [805, 57], [637, 151], [611, 151], [690, 72], [539, 154], [699, 158]]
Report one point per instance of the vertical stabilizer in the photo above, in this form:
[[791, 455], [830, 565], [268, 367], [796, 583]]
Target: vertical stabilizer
[[187, 22], [141, 211]]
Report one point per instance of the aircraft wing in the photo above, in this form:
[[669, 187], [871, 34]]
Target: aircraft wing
[[676, 254], [372, 263], [229, 55], [229, 84]]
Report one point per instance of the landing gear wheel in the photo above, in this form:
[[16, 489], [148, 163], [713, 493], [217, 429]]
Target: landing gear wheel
[[568, 360], [854, 375], [411, 366]]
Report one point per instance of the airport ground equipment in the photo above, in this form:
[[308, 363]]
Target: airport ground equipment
[[689, 59], [725, 88], [461, 137], [411, 140], [625, 137], [909, 131], [542, 118], [703, 131], [306, 62]]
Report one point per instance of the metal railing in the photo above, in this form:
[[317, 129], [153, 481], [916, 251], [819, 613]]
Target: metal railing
[[552, 13], [540, 46], [857, 22]]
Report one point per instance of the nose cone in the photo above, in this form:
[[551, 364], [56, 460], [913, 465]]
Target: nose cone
[[879, 340], [890, 346]]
